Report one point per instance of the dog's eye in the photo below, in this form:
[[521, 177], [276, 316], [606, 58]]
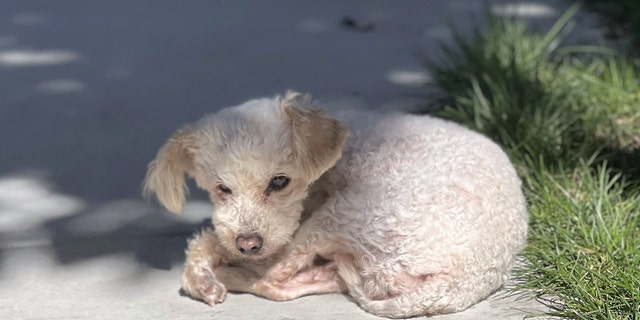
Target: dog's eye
[[278, 182], [223, 189]]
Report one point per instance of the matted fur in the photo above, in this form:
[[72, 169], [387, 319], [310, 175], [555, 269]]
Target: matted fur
[[415, 215]]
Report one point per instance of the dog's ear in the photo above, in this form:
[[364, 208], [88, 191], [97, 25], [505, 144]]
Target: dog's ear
[[166, 174], [317, 139]]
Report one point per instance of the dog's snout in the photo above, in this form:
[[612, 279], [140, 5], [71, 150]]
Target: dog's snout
[[249, 244]]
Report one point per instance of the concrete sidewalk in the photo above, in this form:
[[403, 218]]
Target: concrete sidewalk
[[90, 90]]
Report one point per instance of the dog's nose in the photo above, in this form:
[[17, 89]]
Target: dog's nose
[[249, 244]]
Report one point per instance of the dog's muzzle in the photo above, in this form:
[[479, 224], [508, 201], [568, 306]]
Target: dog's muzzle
[[249, 244]]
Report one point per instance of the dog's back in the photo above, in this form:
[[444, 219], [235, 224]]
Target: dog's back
[[426, 203]]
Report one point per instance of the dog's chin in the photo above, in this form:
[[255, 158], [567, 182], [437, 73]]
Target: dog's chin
[[256, 256]]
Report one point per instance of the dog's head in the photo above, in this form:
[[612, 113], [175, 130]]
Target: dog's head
[[257, 161]]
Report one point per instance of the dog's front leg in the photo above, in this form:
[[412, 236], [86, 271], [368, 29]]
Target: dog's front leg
[[313, 238], [295, 275], [315, 280], [199, 280]]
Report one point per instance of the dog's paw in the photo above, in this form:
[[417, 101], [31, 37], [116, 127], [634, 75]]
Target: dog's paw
[[211, 291], [201, 283]]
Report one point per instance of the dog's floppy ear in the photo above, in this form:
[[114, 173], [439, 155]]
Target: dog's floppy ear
[[317, 139], [166, 174]]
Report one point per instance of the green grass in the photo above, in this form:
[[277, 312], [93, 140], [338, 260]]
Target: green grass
[[584, 244], [567, 116]]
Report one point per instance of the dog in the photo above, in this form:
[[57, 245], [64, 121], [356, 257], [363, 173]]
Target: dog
[[409, 215]]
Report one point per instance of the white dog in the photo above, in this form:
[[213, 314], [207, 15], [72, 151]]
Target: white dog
[[411, 215]]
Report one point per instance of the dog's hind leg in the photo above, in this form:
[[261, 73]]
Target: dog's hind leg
[[411, 296]]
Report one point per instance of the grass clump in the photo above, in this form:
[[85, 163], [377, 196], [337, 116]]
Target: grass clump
[[584, 244], [616, 83], [501, 82], [568, 120]]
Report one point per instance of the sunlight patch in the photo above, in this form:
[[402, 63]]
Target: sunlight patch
[[524, 10], [314, 26], [109, 218], [408, 78], [60, 86], [27, 201], [134, 216], [28, 58], [28, 19]]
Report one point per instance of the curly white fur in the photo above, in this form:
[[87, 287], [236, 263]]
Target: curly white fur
[[416, 215]]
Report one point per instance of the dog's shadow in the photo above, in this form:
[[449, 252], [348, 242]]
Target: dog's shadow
[[158, 248]]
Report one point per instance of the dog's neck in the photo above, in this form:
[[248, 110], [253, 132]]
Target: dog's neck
[[323, 188]]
